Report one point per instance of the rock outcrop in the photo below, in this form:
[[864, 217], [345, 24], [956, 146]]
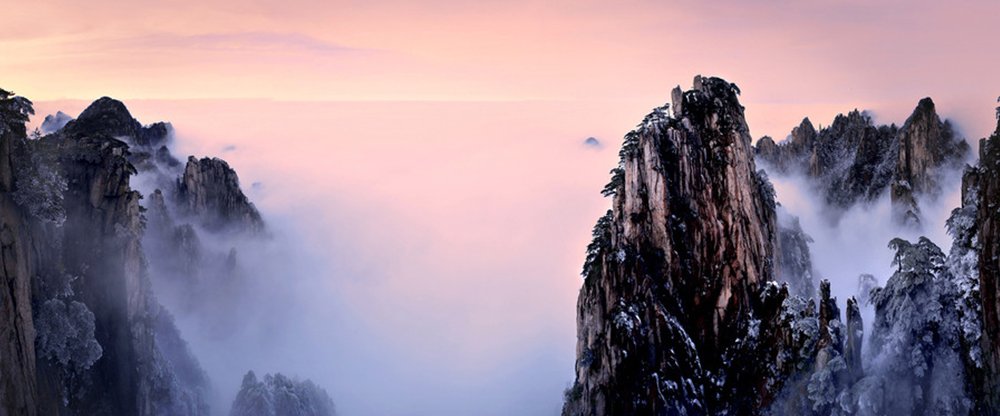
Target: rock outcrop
[[101, 247], [210, 191], [853, 161], [185, 204], [672, 305], [277, 395], [81, 331], [793, 258], [681, 309], [88, 335], [926, 145], [823, 355], [18, 383], [987, 228]]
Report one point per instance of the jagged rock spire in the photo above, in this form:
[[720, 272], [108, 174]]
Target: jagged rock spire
[[926, 143], [855, 161], [672, 284]]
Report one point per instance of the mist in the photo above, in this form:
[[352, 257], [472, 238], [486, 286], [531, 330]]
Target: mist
[[850, 242], [856, 241], [430, 252], [425, 252]]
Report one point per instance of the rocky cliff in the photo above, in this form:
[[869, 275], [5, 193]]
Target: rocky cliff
[[79, 307], [82, 331], [697, 295], [793, 260], [672, 303], [210, 191], [18, 388], [985, 183], [855, 161], [143, 366]]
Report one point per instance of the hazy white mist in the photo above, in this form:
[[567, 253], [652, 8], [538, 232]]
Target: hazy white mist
[[430, 252]]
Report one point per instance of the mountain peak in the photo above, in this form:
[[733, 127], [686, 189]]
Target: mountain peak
[[105, 105], [685, 185], [926, 104], [105, 116]]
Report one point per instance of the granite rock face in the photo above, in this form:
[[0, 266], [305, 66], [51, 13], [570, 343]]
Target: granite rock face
[[18, 386], [101, 243], [210, 191], [97, 341], [185, 204], [82, 331], [986, 181], [90, 215], [673, 299], [793, 258], [698, 290]]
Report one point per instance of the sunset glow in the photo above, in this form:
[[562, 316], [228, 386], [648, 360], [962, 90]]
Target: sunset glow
[[426, 161]]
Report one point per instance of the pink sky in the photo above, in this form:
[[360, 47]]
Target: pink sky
[[431, 153], [787, 56]]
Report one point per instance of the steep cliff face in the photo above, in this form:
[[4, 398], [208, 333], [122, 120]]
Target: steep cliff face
[[18, 394], [185, 205], [793, 258], [854, 161], [672, 298], [926, 145], [85, 333], [988, 230], [81, 331], [101, 247], [681, 310]]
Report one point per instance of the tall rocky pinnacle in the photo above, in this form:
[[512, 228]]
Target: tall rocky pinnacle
[[855, 339], [671, 306], [988, 228], [855, 161], [793, 261], [925, 144], [210, 190]]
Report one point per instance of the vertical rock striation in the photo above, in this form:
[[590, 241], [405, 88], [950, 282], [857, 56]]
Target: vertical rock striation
[[671, 302], [210, 191], [988, 230], [18, 392], [926, 144], [680, 311], [140, 371], [793, 258], [83, 333]]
